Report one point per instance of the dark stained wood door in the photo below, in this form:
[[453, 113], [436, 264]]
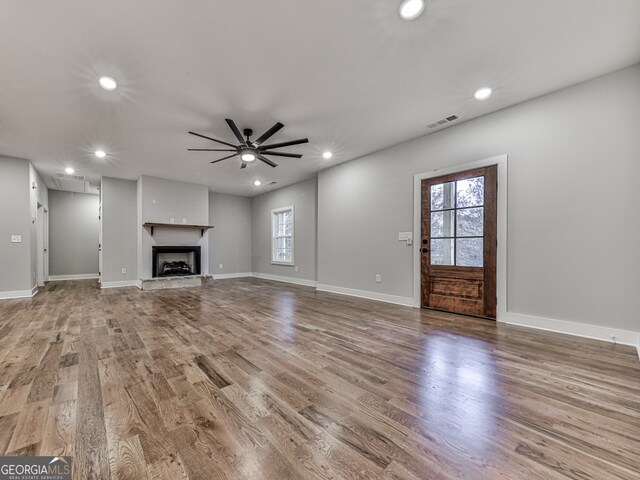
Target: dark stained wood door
[[458, 242]]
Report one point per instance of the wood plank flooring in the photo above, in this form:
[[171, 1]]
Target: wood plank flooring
[[249, 379]]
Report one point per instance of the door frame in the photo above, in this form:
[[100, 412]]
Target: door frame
[[501, 259], [40, 245]]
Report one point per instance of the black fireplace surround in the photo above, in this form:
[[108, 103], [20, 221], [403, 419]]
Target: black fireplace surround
[[175, 261]]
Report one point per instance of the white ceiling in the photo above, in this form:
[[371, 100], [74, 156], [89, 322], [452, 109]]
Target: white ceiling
[[350, 75]]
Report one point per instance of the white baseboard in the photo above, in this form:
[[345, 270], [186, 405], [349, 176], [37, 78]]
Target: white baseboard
[[595, 332], [278, 278], [381, 297], [223, 276], [79, 276], [119, 283], [19, 293]]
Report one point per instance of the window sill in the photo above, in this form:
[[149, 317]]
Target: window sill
[[284, 264]]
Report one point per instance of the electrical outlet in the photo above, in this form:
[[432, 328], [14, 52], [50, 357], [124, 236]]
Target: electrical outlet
[[124, 271], [16, 238], [296, 268], [172, 220], [378, 278], [220, 266]]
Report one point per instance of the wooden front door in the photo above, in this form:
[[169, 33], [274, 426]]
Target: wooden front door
[[458, 242]]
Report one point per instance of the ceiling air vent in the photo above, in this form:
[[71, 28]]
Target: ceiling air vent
[[71, 183], [444, 121]]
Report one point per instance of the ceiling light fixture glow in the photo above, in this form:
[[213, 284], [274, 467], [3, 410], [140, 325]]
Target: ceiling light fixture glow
[[257, 183], [69, 170], [327, 155], [483, 93], [248, 157], [108, 83], [411, 9], [100, 153]]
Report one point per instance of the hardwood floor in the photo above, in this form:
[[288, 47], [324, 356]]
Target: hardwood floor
[[250, 379]]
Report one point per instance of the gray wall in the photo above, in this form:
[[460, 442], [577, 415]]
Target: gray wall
[[304, 198], [73, 233], [159, 200], [230, 240], [119, 224], [15, 218], [573, 197]]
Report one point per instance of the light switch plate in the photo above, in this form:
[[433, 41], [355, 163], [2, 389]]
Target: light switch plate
[[406, 237], [16, 238]]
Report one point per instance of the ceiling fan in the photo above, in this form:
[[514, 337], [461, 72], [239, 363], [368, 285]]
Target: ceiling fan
[[249, 150]]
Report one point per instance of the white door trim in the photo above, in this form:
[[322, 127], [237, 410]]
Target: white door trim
[[501, 280]]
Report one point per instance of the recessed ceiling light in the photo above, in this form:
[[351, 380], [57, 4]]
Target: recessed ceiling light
[[257, 183], [100, 153], [483, 93], [327, 155], [411, 9], [69, 170], [108, 83], [248, 157]]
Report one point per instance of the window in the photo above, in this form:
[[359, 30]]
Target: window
[[457, 223], [282, 236]]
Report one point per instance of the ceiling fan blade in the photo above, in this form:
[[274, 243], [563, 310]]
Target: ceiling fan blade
[[284, 144], [221, 159], [235, 131], [269, 133], [213, 139], [278, 154], [267, 161], [244, 165], [210, 150]]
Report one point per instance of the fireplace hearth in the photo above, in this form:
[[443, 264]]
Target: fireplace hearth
[[175, 261]]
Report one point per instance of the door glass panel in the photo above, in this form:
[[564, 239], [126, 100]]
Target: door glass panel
[[442, 251], [442, 224], [470, 222], [469, 252], [443, 196], [469, 192]]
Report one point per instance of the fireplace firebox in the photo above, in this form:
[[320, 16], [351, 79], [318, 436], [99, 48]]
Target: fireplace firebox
[[175, 261]]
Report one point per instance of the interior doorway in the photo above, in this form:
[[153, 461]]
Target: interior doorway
[[458, 242], [42, 245]]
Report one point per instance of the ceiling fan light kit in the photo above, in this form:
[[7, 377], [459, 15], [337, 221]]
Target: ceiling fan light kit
[[249, 150]]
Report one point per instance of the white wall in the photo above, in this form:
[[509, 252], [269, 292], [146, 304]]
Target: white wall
[[15, 219], [73, 234], [573, 223], [119, 227], [159, 200], [303, 196], [230, 239]]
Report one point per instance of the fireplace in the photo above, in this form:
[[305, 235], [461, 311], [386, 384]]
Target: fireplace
[[176, 261]]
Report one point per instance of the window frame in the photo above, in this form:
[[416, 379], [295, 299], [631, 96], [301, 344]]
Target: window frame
[[455, 209], [274, 213]]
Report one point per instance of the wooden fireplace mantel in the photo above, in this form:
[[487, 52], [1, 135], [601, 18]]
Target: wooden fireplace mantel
[[202, 228]]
